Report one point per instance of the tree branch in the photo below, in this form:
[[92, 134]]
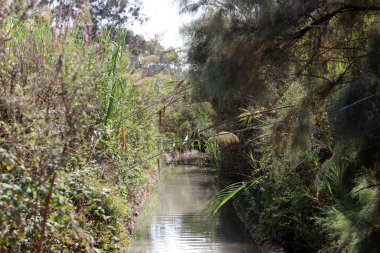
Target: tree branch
[[329, 16]]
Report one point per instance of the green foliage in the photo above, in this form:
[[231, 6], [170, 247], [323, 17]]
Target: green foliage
[[183, 121], [223, 196], [74, 133], [214, 152], [352, 220], [306, 75], [46, 115]]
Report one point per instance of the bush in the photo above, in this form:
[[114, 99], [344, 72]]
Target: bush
[[73, 138]]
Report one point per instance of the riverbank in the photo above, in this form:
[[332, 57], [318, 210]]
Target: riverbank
[[139, 196], [253, 228]]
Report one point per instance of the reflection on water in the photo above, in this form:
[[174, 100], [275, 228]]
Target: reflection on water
[[171, 223]]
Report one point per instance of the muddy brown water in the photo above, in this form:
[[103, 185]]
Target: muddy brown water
[[171, 222]]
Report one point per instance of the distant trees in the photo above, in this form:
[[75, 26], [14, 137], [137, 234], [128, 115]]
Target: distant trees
[[114, 14], [112, 17]]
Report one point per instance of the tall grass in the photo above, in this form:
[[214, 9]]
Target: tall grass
[[70, 138]]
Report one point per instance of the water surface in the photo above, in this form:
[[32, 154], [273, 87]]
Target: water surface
[[171, 223]]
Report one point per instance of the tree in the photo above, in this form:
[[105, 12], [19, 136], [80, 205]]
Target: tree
[[109, 13], [234, 42], [314, 68]]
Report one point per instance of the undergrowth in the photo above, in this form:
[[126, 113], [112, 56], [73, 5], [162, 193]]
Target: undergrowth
[[73, 135]]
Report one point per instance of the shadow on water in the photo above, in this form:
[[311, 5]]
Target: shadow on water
[[171, 222]]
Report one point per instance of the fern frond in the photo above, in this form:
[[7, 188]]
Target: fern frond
[[222, 197]]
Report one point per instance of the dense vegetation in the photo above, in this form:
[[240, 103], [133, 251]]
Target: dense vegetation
[[284, 96], [296, 90], [78, 123]]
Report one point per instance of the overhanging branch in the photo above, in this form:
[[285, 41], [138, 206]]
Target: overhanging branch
[[329, 16]]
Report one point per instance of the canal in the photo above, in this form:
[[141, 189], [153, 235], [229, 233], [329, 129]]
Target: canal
[[171, 221]]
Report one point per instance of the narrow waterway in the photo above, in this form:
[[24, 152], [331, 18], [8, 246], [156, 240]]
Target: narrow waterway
[[171, 222]]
